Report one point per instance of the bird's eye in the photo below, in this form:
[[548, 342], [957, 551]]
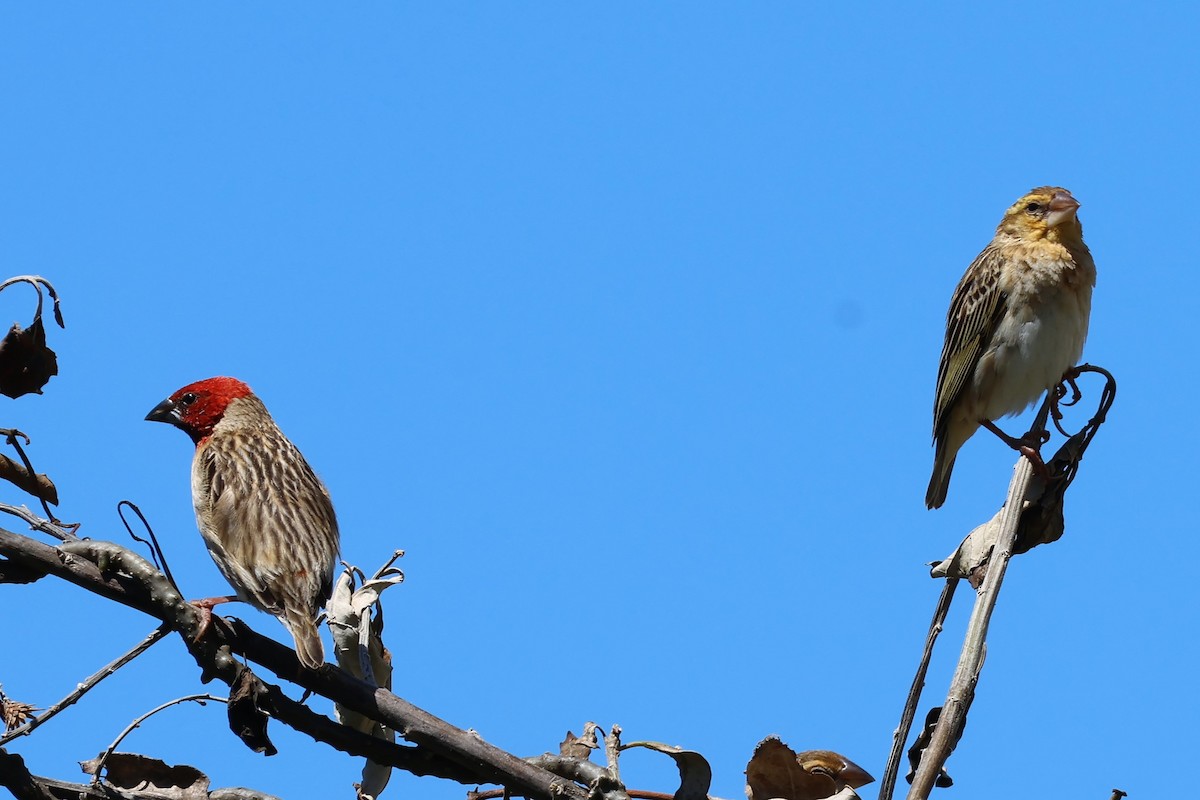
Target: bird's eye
[[1033, 208], [188, 399]]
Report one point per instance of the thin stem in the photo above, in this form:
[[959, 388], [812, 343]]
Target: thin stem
[[131, 727], [61, 532], [962, 686], [888, 785], [86, 686], [156, 552]]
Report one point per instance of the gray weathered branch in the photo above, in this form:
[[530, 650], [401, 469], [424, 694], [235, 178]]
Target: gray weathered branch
[[966, 675], [443, 750]]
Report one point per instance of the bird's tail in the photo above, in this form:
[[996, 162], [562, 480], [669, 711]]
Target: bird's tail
[[308, 639], [939, 483]]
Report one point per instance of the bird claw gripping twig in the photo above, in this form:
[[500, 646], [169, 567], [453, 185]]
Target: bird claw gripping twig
[[1060, 392], [1028, 444], [205, 606]]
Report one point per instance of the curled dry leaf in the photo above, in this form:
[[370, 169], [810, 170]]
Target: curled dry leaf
[[247, 719], [943, 780], [695, 774], [26, 363], [132, 772], [358, 647], [357, 633], [37, 484], [777, 771], [581, 746], [1041, 522], [972, 553], [14, 713]]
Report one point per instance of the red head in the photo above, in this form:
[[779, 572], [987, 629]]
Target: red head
[[198, 407]]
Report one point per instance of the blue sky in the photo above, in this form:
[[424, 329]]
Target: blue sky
[[623, 321]]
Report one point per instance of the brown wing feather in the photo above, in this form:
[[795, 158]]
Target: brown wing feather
[[273, 530], [976, 308]]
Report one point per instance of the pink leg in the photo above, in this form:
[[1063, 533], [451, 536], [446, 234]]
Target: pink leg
[[205, 607], [1029, 445]]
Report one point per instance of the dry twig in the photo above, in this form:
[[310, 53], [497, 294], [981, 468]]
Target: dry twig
[[86, 686], [1032, 514], [438, 749], [900, 735], [98, 769]]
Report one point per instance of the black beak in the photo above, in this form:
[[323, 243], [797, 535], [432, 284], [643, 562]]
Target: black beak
[[166, 411]]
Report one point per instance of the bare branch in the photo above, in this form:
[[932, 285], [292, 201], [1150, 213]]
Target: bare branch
[[98, 768], [962, 686], [900, 736], [58, 531], [37, 282], [86, 686], [156, 552], [116, 573]]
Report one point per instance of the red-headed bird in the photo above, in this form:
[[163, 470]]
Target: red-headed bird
[[1017, 323], [265, 516]]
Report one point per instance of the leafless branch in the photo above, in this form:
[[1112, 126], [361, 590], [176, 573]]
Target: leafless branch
[[98, 769], [900, 736], [962, 685], [57, 530], [156, 552], [38, 282], [1032, 514], [116, 573], [86, 686]]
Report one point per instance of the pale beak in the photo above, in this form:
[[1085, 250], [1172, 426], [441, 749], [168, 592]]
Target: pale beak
[[1062, 208]]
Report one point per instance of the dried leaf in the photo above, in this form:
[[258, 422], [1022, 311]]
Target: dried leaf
[[918, 749], [247, 719], [357, 634], [239, 793], [972, 553], [1042, 520], [37, 484], [359, 649], [11, 572], [777, 771], [695, 774], [133, 772], [14, 713], [26, 363], [581, 746]]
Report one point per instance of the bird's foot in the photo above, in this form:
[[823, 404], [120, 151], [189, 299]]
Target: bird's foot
[[1035, 458], [1060, 391], [1028, 445], [205, 607]]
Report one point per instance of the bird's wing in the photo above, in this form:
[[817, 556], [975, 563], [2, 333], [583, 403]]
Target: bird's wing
[[975, 311], [229, 534], [274, 519]]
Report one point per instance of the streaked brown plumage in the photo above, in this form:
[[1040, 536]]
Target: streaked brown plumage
[[1017, 322], [265, 516]]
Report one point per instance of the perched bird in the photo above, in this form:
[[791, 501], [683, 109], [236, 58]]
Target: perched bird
[[265, 516], [1017, 323]]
